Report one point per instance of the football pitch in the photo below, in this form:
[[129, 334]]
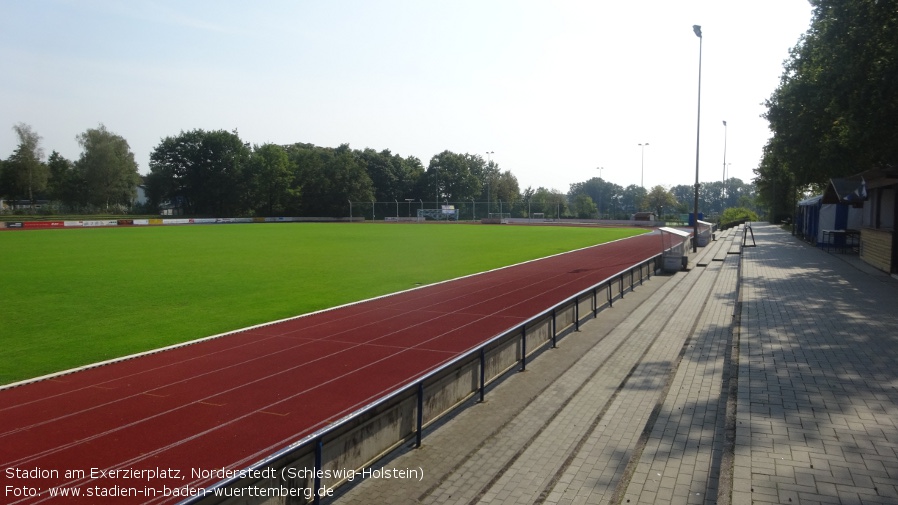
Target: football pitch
[[74, 297]]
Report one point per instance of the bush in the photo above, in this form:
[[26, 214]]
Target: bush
[[737, 214]]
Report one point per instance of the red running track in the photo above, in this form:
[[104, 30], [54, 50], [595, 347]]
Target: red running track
[[231, 401]]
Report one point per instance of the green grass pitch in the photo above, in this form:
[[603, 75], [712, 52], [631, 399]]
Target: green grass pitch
[[73, 297]]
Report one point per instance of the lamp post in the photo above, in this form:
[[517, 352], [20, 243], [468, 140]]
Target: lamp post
[[600, 190], [724, 152], [409, 200], [698, 33], [642, 166], [489, 163]]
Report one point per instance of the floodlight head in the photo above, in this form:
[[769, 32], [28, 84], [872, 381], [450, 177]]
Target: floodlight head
[[698, 30]]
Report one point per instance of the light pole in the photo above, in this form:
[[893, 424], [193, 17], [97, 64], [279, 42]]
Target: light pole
[[724, 151], [698, 33], [489, 163], [409, 200], [600, 190], [642, 166]]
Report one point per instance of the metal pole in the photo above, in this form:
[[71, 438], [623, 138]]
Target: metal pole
[[698, 33], [642, 167], [724, 157], [489, 164]]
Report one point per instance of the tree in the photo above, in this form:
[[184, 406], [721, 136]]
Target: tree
[[551, 202], [273, 176], [66, 184], [330, 179], [632, 199], [585, 207], [25, 174], [835, 111], [507, 190], [203, 172], [449, 178], [660, 199], [108, 168], [607, 195]]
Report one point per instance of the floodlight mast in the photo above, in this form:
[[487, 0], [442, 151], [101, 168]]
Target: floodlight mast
[[698, 33]]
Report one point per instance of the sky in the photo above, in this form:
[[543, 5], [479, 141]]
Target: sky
[[553, 89]]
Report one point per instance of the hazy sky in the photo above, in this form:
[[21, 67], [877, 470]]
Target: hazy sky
[[554, 88]]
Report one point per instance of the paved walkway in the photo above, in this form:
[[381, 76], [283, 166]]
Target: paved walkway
[[770, 380]]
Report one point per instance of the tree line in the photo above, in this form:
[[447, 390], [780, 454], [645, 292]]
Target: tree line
[[835, 111], [105, 177], [216, 173]]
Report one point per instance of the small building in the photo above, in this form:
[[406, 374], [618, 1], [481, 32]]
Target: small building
[[874, 191], [816, 220]]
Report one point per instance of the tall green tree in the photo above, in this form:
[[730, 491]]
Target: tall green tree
[[330, 179], [550, 202], [66, 184], [449, 178], [660, 200], [508, 191], [632, 199], [108, 168], [203, 172], [272, 179], [584, 207], [26, 174], [835, 111], [607, 195]]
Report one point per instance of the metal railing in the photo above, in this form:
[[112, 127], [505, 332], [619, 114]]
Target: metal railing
[[338, 453]]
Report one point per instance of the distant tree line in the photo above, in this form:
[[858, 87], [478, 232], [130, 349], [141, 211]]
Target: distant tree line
[[216, 173], [104, 178]]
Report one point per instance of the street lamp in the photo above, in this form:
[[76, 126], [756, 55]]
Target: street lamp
[[409, 200], [642, 166], [489, 163], [698, 33], [724, 152], [600, 190]]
